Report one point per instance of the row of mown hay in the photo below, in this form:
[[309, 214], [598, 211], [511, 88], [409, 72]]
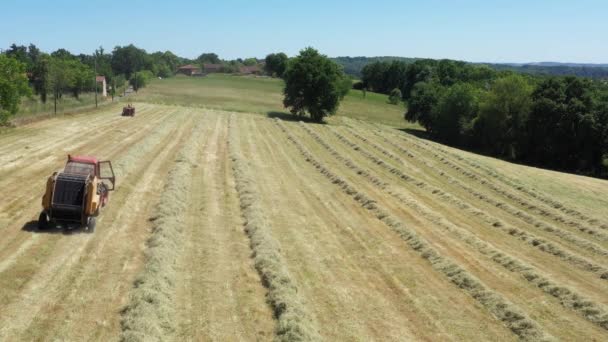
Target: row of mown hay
[[545, 212], [514, 185], [509, 314], [494, 223], [593, 312], [150, 313], [534, 240], [124, 164], [294, 321]]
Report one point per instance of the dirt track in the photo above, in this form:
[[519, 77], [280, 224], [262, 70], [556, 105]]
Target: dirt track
[[382, 236]]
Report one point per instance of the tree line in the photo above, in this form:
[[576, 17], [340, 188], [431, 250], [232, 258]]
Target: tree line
[[559, 122], [51, 75], [27, 71], [314, 83], [226, 66], [595, 71], [354, 66]]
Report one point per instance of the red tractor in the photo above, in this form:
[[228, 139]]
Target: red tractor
[[76, 195], [128, 110]]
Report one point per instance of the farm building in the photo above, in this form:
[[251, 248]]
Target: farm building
[[209, 68], [102, 80], [250, 70], [189, 70]]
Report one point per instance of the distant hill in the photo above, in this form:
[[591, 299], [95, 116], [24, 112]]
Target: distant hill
[[354, 65], [559, 64], [599, 71]]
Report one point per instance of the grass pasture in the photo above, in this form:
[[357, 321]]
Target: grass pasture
[[262, 95], [31, 107]]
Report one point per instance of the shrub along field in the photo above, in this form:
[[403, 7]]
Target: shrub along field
[[229, 226]]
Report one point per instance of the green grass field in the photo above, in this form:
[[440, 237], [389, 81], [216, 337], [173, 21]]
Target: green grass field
[[262, 95], [33, 106]]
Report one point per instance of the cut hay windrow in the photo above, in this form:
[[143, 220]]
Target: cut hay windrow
[[150, 313], [509, 182], [492, 222], [136, 151], [509, 314], [541, 244], [527, 190], [538, 209], [593, 312], [496, 223], [295, 323], [543, 226]]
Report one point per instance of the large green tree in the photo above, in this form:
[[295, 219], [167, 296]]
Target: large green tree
[[454, 113], [40, 76], [419, 71], [423, 99], [18, 52], [374, 76], [83, 77], [208, 57], [129, 59], [276, 63], [62, 54], [164, 63], [60, 78], [313, 84], [503, 113], [13, 85]]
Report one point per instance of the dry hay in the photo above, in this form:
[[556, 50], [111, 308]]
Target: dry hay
[[150, 313], [294, 321], [593, 312], [511, 316]]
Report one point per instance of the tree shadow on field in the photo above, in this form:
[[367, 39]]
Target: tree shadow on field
[[32, 227], [292, 117], [418, 133]]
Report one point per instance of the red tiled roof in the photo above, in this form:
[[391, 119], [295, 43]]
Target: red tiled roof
[[100, 78], [188, 67]]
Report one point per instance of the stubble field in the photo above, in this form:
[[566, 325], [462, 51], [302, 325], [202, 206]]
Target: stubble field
[[235, 226]]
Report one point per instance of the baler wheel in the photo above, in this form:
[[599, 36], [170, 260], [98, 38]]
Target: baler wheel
[[92, 222]]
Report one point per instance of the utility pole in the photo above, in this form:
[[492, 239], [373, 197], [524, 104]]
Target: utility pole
[[96, 79]]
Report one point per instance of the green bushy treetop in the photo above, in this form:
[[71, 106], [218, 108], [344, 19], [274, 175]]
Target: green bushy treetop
[[313, 84], [13, 85]]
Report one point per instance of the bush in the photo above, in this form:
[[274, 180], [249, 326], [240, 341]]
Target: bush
[[140, 79], [394, 97], [13, 85]]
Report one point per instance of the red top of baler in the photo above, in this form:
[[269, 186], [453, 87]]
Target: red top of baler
[[83, 159]]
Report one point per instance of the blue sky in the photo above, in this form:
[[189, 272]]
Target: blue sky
[[471, 30]]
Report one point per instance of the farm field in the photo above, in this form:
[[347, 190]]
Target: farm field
[[262, 95], [229, 225]]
